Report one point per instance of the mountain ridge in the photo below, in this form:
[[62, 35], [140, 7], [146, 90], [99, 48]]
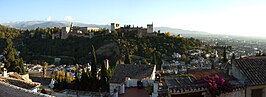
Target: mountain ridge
[[178, 31], [46, 24]]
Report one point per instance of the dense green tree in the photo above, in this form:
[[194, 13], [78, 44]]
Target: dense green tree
[[44, 68], [212, 64], [127, 57], [85, 81], [9, 55], [93, 62], [104, 77], [224, 55], [63, 79], [144, 61], [20, 66], [77, 76], [154, 60], [233, 56], [11, 33], [11, 58], [76, 82]]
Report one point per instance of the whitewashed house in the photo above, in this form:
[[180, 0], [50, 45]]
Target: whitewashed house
[[128, 75]]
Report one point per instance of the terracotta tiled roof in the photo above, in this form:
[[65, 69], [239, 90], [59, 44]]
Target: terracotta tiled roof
[[134, 71], [202, 73], [19, 83], [188, 81], [182, 82], [8, 90], [254, 69]]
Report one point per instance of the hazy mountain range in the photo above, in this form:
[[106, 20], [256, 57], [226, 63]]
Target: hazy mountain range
[[45, 24], [178, 31]]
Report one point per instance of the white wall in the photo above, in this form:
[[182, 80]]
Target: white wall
[[241, 93], [35, 89], [133, 82], [113, 86], [64, 32], [122, 89], [67, 95], [237, 93], [149, 28]]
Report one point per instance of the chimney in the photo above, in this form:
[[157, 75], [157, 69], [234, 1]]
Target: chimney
[[4, 72]]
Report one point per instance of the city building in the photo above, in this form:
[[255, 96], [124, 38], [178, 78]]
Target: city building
[[16, 85], [88, 29], [65, 32], [128, 76], [190, 85], [251, 71], [137, 31], [76, 31], [150, 28], [114, 26]]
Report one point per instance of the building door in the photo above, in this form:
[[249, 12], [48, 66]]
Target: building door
[[256, 93]]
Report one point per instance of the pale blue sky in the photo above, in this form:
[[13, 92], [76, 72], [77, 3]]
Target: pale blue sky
[[235, 17]]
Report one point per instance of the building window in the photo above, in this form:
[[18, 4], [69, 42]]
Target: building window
[[257, 93]]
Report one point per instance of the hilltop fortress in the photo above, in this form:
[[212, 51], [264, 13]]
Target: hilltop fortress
[[90, 32], [137, 31]]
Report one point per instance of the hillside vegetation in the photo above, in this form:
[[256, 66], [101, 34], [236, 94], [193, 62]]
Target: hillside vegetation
[[33, 47]]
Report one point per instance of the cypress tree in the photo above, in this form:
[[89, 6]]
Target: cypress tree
[[154, 59], [224, 55], [212, 66], [77, 80], [85, 81], [233, 56], [44, 67], [11, 59], [104, 72], [93, 63], [77, 73], [104, 77]]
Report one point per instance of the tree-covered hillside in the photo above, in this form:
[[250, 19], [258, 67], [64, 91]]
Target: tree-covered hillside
[[37, 44], [11, 58], [6, 32]]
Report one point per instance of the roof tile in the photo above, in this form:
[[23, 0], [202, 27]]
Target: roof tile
[[254, 69], [134, 71]]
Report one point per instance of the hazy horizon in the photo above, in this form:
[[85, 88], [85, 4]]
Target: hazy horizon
[[238, 17]]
